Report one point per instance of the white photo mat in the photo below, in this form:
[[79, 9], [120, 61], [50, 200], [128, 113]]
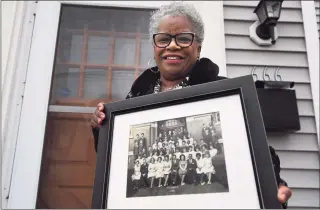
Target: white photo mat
[[242, 186]]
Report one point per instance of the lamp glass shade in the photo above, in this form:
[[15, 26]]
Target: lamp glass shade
[[261, 11], [268, 10], [273, 9]]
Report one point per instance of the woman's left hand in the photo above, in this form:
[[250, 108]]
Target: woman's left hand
[[284, 193]]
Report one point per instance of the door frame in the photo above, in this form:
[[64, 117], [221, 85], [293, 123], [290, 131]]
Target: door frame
[[32, 123]]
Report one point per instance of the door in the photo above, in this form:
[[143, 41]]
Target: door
[[82, 53], [100, 52]]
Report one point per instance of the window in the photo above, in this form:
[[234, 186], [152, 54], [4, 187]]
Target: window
[[100, 52]]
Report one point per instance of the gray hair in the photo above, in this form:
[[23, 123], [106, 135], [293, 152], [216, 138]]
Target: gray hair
[[178, 9]]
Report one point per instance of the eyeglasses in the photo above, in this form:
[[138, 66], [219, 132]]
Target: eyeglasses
[[183, 40]]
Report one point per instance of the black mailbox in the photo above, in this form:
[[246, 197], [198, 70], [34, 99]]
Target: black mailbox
[[278, 104]]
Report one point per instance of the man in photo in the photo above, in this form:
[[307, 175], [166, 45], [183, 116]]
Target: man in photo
[[174, 170], [136, 149], [191, 170], [144, 173], [144, 139]]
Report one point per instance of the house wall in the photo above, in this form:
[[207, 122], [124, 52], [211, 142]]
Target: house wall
[[298, 151]]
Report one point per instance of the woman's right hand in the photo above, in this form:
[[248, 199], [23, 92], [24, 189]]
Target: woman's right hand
[[98, 116]]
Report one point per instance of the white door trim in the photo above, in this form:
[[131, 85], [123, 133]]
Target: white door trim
[[27, 162], [32, 124], [312, 44], [18, 50]]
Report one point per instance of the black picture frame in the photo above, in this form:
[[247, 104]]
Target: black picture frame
[[244, 86]]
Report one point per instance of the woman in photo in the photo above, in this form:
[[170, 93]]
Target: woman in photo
[[143, 152], [190, 139], [202, 144], [139, 159], [208, 167], [149, 151], [197, 150], [155, 154], [178, 152], [199, 170], [171, 151], [179, 142], [136, 176], [213, 151], [166, 169], [149, 157], [182, 168], [155, 145], [171, 140], [159, 171], [191, 152], [152, 169], [161, 154], [185, 151]]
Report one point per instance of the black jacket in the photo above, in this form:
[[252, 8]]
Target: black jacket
[[204, 71]]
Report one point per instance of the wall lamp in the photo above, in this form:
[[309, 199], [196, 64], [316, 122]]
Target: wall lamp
[[264, 31]]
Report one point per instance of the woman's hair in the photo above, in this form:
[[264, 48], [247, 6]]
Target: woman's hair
[[178, 9], [182, 155]]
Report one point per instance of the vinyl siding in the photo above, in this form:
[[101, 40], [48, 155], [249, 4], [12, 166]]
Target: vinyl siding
[[298, 151]]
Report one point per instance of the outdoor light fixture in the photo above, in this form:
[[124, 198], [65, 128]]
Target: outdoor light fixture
[[268, 13]]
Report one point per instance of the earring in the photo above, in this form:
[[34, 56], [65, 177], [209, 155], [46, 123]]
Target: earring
[[151, 66]]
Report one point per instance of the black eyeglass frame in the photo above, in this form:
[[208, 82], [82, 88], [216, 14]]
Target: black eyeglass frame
[[174, 36]]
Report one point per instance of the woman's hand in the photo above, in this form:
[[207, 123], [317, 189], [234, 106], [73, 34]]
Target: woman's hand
[[284, 193], [98, 116]]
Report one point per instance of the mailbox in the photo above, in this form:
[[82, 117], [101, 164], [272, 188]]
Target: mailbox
[[278, 104]]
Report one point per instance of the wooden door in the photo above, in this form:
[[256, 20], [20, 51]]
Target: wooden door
[[100, 51], [68, 162]]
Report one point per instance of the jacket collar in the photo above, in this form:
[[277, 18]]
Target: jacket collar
[[204, 71]]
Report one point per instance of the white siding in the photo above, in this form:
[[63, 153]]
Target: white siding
[[298, 151]]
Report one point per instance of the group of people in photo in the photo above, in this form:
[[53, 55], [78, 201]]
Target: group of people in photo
[[175, 158]]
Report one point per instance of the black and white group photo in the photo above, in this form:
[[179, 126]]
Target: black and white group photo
[[177, 156]]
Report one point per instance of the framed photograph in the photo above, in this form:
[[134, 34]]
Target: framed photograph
[[200, 147]]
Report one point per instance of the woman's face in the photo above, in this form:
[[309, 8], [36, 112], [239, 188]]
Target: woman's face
[[177, 69]]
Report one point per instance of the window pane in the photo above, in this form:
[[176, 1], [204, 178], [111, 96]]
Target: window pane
[[125, 51], [121, 84], [101, 34], [95, 85], [98, 50], [66, 82], [146, 53], [71, 48]]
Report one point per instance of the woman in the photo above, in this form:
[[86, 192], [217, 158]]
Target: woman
[[136, 174], [166, 169], [208, 168], [213, 151], [152, 168], [177, 33], [182, 168], [159, 172]]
